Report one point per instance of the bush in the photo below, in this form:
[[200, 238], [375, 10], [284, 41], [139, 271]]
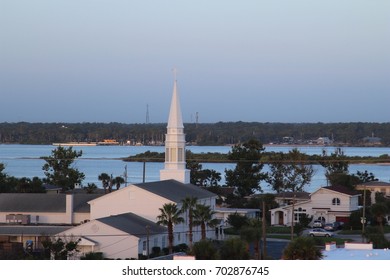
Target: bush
[[205, 250], [302, 248], [93, 256], [234, 249]]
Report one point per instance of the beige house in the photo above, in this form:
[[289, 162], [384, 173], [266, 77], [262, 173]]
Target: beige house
[[328, 204], [375, 187]]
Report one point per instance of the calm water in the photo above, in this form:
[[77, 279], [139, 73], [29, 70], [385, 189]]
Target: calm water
[[23, 161]]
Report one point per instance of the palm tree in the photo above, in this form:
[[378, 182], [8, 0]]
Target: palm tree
[[188, 204], [170, 215], [90, 188], [118, 181], [252, 233], [203, 216], [105, 178], [379, 211]]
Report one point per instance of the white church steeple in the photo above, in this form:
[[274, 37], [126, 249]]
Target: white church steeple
[[175, 148]]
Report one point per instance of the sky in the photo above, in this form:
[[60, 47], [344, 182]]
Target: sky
[[253, 60]]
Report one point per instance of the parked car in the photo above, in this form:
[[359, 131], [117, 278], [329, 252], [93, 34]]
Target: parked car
[[317, 224], [320, 232], [332, 226], [329, 227]]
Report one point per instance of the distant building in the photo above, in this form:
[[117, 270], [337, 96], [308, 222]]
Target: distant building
[[324, 141], [372, 141]]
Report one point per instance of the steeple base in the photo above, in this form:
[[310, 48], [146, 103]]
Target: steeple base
[[182, 176]]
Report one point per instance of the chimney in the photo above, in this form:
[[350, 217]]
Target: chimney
[[69, 209]]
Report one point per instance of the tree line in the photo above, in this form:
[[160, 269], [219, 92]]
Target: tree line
[[221, 133]]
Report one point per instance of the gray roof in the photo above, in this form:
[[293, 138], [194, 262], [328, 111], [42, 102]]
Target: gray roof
[[291, 195], [40, 202], [375, 184], [132, 224], [174, 190], [32, 230]]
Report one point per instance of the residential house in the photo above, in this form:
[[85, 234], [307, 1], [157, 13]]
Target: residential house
[[44, 209], [375, 187], [328, 204], [118, 236], [33, 217]]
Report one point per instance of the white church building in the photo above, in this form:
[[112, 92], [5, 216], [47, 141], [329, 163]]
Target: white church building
[[123, 223]]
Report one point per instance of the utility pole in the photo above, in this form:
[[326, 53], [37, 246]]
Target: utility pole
[[147, 241], [292, 218], [144, 172], [263, 223], [363, 219]]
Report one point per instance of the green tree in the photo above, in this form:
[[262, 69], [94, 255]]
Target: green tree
[[60, 248], [27, 185], [302, 248], [203, 217], [58, 168], [337, 168], [237, 221], [364, 176], [202, 177], [169, 216], [289, 172], [188, 207], [247, 174]]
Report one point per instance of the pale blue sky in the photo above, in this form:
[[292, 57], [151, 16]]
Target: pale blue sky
[[260, 60]]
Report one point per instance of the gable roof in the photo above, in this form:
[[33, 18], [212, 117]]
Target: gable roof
[[132, 224], [375, 184], [40, 202], [174, 190], [341, 189]]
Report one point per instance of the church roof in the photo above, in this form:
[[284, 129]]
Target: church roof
[[174, 190], [132, 224]]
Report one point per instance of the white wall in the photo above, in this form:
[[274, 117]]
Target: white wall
[[129, 199]]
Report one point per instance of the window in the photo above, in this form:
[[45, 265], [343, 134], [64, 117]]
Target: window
[[167, 155], [180, 155], [336, 201], [144, 245], [299, 214], [155, 242], [173, 155]]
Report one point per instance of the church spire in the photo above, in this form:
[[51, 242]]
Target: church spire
[[175, 117], [175, 162]]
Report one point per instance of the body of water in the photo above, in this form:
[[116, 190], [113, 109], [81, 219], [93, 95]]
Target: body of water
[[24, 161]]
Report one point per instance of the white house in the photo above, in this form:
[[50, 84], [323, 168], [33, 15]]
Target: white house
[[328, 204], [118, 236]]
